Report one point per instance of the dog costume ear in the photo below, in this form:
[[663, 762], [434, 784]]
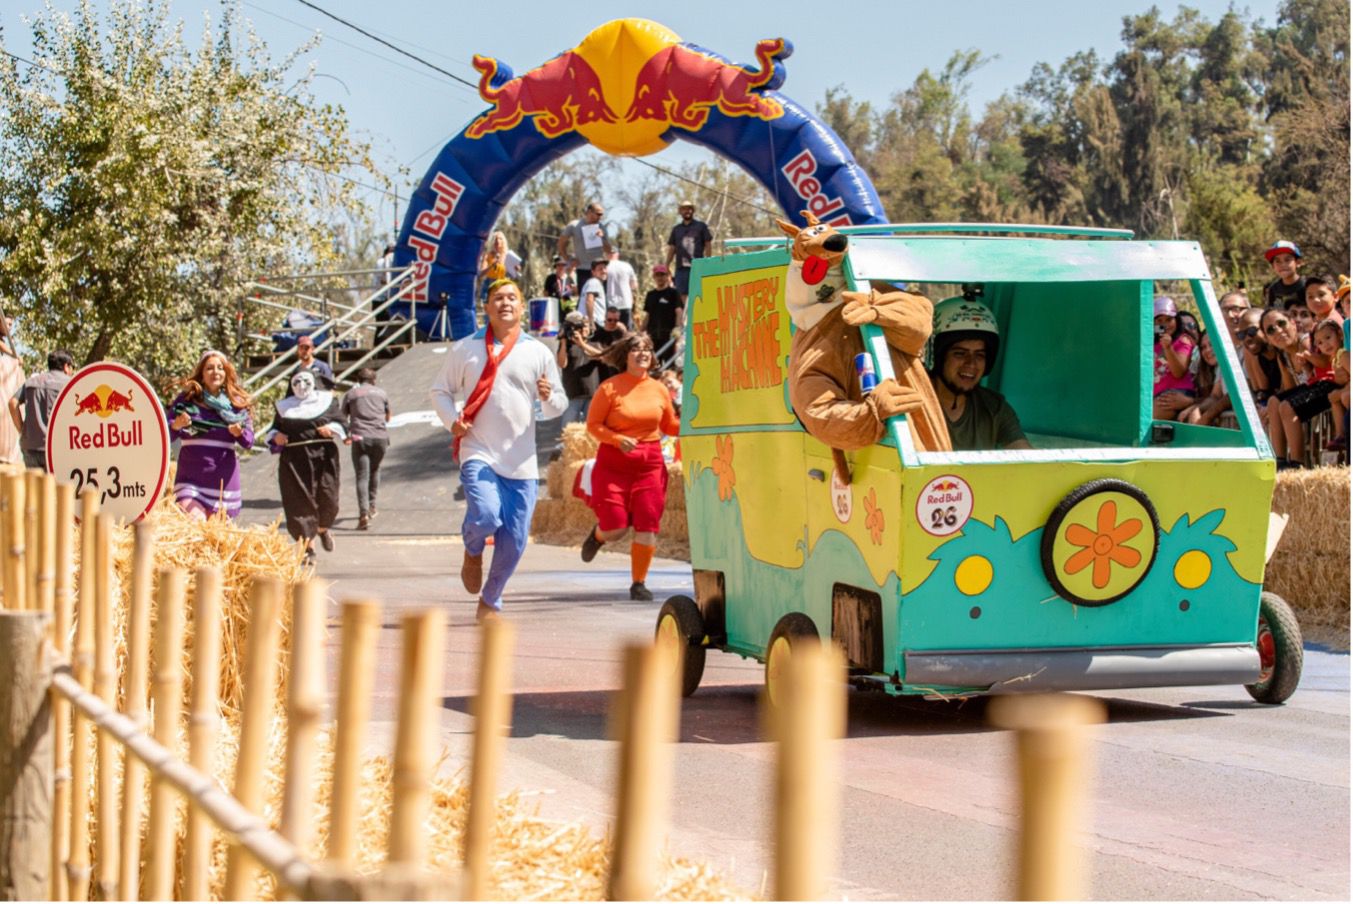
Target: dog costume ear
[[810, 219], [788, 229]]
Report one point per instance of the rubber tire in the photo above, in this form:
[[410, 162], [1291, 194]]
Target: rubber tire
[[690, 628], [1287, 651], [794, 628]]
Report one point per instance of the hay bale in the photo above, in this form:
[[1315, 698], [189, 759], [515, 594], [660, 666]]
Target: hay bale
[[579, 445], [1310, 567]]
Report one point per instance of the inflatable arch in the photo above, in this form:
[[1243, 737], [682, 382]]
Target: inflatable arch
[[629, 88]]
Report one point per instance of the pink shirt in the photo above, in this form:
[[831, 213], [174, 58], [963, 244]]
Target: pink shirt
[[1165, 380]]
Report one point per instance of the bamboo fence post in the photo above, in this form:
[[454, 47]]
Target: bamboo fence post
[[202, 724], [357, 653], [83, 662], [305, 709], [12, 511], [168, 695], [260, 678], [138, 664], [63, 526], [44, 555], [492, 710], [107, 859], [32, 495], [647, 714], [6, 602], [25, 756], [1052, 765], [811, 718], [419, 684]]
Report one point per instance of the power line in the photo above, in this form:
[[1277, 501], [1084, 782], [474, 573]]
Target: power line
[[29, 62], [379, 40], [709, 188]]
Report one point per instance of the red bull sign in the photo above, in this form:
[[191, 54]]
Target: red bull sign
[[107, 431]]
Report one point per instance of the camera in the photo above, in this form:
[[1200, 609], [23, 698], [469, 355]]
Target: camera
[[1160, 331]]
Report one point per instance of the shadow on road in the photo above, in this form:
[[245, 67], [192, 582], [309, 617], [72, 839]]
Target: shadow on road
[[731, 714]]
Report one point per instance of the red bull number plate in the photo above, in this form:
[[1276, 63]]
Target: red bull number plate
[[108, 433]]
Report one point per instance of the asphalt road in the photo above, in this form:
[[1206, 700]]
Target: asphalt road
[[1198, 793]]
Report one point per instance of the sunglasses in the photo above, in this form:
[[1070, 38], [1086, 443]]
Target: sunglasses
[[1248, 333], [1276, 325]]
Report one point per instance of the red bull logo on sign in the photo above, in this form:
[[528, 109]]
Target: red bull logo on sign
[[104, 401]]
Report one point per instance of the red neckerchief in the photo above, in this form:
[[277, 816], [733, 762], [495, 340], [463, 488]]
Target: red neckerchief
[[480, 394]]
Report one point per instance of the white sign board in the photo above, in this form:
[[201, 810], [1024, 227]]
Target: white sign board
[[108, 431]]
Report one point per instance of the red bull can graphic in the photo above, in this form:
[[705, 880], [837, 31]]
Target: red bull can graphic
[[680, 85], [864, 369], [560, 95]]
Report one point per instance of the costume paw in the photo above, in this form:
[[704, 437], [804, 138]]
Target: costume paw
[[890, 398], [860, 307]]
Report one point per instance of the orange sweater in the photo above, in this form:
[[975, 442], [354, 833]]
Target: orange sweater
[[637, 407]]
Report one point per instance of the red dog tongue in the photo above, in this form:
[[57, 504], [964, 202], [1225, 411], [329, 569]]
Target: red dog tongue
[[814, 269]]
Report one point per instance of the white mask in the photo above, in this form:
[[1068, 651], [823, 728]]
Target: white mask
[[302, 385]]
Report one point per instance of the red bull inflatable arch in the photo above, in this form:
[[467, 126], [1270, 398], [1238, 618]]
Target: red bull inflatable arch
[[630, 88]]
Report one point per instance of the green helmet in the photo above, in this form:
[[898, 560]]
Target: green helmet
[[960, 318]]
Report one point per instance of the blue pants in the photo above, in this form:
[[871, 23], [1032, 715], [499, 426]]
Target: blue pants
[[501, 508]]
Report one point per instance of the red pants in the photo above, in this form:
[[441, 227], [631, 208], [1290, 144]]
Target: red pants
[[630, 488]]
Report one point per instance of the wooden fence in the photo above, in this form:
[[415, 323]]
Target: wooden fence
[[61, 728]]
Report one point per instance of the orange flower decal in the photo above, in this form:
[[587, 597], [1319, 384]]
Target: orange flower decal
[[873, 519], [722, 466], [1103, 545]]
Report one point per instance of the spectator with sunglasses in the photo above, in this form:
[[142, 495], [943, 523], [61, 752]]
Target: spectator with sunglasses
[[1259, 359], [1300, 397]]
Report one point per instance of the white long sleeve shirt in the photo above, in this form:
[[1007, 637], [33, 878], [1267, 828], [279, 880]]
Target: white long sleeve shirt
[[503, 434]]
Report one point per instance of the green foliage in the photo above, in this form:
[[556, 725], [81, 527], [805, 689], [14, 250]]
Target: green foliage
[[141, 182], [1227, 132]]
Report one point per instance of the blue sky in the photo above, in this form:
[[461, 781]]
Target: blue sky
[[873, 48]]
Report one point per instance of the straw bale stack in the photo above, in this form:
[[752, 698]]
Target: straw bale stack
[[1310, 567], [562, 520]]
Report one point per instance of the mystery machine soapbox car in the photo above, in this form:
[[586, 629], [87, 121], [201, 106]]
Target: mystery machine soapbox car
[[961, 573]]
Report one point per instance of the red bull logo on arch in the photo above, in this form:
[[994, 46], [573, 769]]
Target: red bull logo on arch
[[629, 88]]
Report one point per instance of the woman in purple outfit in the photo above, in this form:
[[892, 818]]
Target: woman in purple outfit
[[211, 420]]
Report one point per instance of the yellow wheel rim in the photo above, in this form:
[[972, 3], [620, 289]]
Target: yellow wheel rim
[[777, 660]]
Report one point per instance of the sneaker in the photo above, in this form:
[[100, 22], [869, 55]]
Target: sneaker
[[326, 540], [472, 572], [371, 515], [309, 558], [483, 612], [363, 522], [590, 545], [639, 592]]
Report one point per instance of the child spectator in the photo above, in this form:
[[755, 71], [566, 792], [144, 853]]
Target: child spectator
[[1341, 300], [1174, 389], [1302, 318], [1320, 299], [1329, 342], [1285, 258]]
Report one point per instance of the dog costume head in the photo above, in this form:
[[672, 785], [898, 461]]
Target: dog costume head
[[815, 281]]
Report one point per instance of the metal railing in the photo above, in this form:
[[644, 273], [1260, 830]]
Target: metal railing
[[281, 367]]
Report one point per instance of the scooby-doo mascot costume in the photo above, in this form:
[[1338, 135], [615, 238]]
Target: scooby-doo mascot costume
[[823, 386]]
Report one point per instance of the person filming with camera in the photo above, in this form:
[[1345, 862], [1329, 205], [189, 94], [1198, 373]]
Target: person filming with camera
[[1174, 389]]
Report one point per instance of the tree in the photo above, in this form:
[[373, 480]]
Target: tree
[[142, 183]]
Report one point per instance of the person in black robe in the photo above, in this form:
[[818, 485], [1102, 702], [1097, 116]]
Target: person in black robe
[[305, 432]]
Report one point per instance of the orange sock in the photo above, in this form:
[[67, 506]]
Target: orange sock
[[641, 557]]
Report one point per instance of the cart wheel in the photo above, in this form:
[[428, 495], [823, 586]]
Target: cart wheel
[[1280, 653], [790, 631], [681, 632]]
